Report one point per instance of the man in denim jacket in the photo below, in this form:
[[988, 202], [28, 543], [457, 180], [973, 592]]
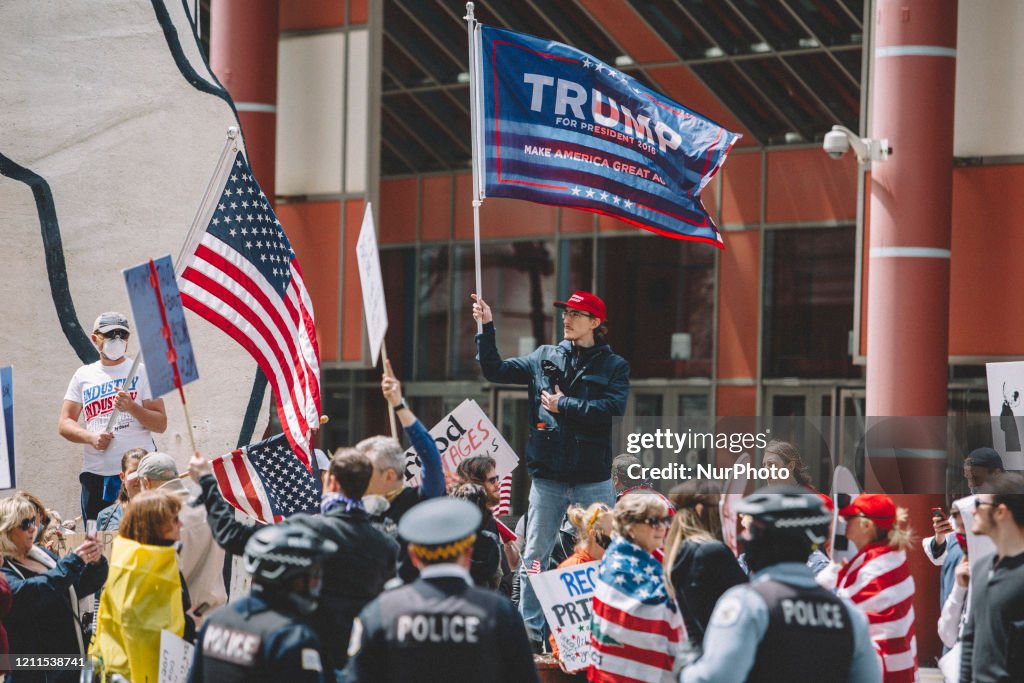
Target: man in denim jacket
[[575, 390]]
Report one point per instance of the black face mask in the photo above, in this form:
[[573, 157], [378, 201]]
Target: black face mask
[[602, 539]]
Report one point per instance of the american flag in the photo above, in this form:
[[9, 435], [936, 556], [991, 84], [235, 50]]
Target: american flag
[[504, 506], [534, 567], [636, 629], [265, 481], [244, 279], [878, 581]]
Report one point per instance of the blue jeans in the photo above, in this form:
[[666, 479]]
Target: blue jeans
[[548, 503]]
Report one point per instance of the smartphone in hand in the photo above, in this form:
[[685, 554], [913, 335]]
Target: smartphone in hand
[[90, 529], [938, 513]]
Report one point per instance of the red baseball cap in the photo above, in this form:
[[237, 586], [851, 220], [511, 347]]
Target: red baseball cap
[[877, 507], [584, 301]]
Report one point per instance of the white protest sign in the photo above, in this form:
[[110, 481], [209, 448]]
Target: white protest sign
[[372, 282], [175, 658], [731, 497], [463, 433], [565, 595], [844, 489], [1006, 401], [7, 476]]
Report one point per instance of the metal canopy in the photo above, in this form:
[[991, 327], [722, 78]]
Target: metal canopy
[[786, 69]]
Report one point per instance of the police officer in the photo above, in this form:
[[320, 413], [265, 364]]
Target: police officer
[[782, 626], [440, 627], [265, 636]]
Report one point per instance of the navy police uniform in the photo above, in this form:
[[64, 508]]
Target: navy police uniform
[[782, 626], [254, 640], [440, 627]]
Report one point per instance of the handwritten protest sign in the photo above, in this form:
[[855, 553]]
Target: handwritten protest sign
[[463, 433], [565, 596], [7, 477], [149, 323], [175, 658], [372, 283]]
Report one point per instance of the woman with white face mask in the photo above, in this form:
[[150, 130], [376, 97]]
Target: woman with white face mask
[[98, 389]]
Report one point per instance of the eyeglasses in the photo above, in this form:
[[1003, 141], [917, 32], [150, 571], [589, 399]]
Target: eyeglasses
[[28, 523], [493, 480], [116, 334], [658, 521], [573, 314], [978, 503]]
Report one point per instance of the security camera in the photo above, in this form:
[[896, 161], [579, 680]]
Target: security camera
[[836, 144], [840, 139]]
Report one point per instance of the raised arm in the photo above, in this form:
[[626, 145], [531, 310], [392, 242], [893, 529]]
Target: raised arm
[[511, 371], [432, 478]]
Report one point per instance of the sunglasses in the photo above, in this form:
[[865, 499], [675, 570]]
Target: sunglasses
[[979, 503], [115, 334], [493, 480], [28, 523], [573, 314], [658, 521]]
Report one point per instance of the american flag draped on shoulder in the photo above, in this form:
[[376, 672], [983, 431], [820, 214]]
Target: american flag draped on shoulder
[[636, 630], [244, 278], [561, 127], [266, 481], [878, 581]]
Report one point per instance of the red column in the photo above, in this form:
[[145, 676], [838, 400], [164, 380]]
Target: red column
[[908, 281], [243, 54]]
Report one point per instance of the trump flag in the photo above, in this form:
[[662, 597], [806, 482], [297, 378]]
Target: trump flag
[[562, 127]]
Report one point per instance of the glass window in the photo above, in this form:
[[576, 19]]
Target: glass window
[[519, 286], [433, 295], [655, 288], [808, 303], [399, 269]]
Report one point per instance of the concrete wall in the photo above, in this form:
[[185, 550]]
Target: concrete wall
[[97, 102]]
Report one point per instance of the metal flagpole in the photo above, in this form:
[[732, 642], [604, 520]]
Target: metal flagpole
[[205, 211], [206, 207], [475, 115]]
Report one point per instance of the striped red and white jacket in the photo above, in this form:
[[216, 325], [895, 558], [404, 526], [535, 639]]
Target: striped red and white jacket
[[878, 581]]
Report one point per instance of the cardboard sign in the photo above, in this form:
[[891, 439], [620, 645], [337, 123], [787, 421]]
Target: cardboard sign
[[74, 539], [149, 325], [565, 595], [731, 497], [374, 308], [7, 474], [1006, 402], [175, 658], [463, 433]]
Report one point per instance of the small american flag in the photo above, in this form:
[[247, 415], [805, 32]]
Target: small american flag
[[244, 279], [534, 567], [504, 506], [266, 481], [636, 629]]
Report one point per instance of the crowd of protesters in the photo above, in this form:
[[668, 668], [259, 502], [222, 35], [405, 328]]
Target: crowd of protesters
[[389, 582]]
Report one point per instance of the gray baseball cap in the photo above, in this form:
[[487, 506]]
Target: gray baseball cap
[[111, 320]]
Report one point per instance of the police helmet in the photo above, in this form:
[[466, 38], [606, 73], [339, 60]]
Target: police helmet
[[787, 511], [277, 553]]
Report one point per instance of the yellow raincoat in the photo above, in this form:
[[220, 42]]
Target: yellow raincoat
[[142, 596]]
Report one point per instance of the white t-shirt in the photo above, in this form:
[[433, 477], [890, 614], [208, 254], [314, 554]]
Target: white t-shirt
[[95, 387]]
